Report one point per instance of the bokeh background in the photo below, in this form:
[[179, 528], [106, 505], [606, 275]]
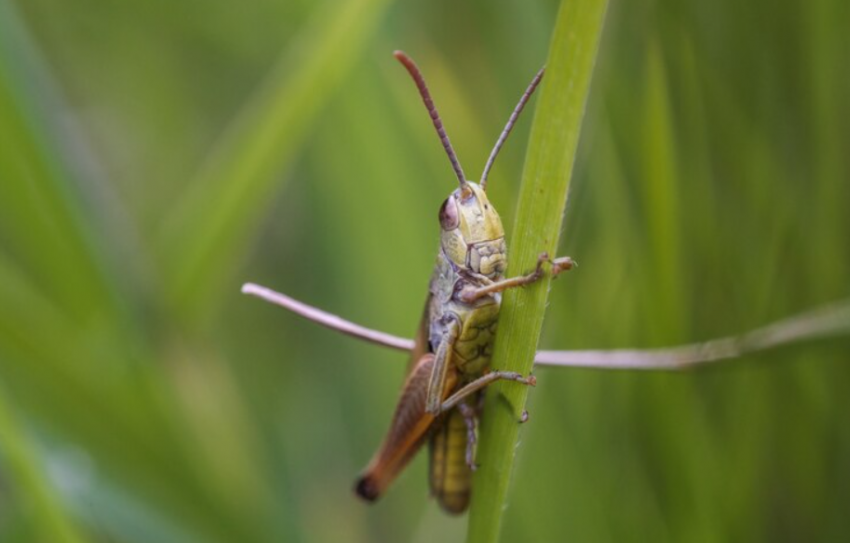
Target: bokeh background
[[155, 155]]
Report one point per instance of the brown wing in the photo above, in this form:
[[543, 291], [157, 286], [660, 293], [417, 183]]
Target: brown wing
[[408, 431], [421, 345]]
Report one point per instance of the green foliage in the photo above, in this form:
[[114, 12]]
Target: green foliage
[[223, 202], [51, 522], [154, 156]]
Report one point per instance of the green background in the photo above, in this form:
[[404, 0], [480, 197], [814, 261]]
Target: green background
[[155, 155]]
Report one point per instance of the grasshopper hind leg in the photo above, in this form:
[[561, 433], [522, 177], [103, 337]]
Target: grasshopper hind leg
[[470, 414]]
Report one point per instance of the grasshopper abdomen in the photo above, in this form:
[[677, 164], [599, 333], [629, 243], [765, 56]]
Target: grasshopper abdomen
[[450, 476]]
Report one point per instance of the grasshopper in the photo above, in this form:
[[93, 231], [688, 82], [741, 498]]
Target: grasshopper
[[450, 355]]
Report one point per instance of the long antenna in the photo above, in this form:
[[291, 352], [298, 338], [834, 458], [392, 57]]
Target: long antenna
[[432, 110], [826, 321], [517, 110]]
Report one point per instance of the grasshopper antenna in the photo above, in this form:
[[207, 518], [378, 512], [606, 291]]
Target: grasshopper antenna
[[326, 319], [432, 110], [823, 322], [504, 135]]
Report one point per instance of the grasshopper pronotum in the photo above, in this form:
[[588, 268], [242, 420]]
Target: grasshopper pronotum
[[450, 355]]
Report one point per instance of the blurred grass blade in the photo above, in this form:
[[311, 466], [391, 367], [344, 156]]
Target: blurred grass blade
[[41, 221], [48, 518], [661, 200], [206, 233], [543, 198]]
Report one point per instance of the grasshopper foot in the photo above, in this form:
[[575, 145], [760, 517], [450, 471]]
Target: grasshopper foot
[[562, 264]]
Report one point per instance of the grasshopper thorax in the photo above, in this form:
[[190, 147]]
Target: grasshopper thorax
[[472, 236]]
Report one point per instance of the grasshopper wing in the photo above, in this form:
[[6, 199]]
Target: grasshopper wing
[[409, 429], [421, 345]]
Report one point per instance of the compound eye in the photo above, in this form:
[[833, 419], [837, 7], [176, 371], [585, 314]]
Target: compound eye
[[448, 214]]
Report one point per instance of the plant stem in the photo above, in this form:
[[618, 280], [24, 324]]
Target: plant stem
[[543, 198]]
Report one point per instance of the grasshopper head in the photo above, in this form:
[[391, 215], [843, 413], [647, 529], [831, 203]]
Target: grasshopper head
[[473, 238], [472, 234]]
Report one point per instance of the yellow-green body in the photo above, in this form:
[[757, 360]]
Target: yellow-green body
[[472, 255], [448, 473]]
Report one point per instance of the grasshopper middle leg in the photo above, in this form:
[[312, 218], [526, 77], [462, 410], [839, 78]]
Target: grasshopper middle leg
[[481, 382]]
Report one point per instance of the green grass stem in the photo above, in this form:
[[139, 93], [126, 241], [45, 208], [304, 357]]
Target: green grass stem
[[543, 197]]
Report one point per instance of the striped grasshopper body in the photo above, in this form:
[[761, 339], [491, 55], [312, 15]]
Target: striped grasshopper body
[[452, 351], [451, 358]]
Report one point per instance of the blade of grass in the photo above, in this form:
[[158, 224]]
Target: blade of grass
[[208, 229], [53, 385], [42, 220], [49, 518], [543, 198], [661, 201]]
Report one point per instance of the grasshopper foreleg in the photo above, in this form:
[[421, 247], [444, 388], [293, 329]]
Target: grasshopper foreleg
[[559, 265]]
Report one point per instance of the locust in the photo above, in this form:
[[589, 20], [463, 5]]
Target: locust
[[451, 358], [449, 367]]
